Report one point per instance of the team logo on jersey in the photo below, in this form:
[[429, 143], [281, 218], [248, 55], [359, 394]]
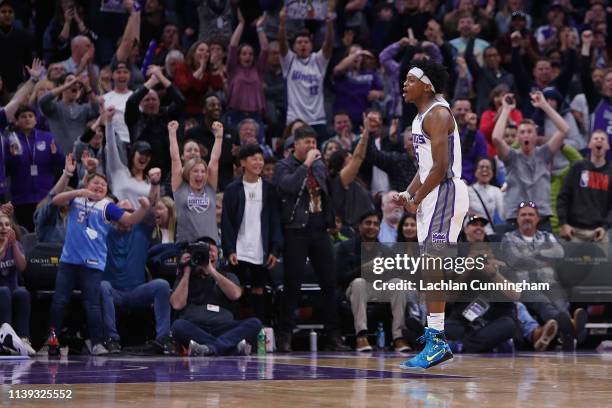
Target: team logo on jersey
[[438, 237], [41, 146], [198, 203]]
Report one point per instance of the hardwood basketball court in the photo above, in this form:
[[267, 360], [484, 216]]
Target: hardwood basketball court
[[311, 380]]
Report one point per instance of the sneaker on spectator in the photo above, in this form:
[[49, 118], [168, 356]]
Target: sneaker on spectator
[[243, 348], [400, 345], [166, 346], [199, 350], [11, 341], [506, 346], [362, 344], [99, 350], [113, 346], [335, 342], [283, 342], [579, 321], [543, 335], [28, 346]]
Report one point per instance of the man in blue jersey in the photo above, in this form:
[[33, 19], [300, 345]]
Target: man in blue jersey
[[84, 254]]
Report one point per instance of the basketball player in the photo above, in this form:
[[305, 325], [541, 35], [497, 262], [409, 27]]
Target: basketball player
[[437, 192]]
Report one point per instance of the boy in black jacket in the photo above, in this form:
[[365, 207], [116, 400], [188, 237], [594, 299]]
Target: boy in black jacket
[[250, 226], [584, 204]]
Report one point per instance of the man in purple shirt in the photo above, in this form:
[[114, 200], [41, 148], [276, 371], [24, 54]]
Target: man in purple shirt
[[473, 143], [32, 160]]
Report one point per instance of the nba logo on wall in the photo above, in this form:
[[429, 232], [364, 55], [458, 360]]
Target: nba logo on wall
[[438, 237]]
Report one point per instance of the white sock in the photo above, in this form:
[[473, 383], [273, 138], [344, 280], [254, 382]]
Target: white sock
[[435, 321]]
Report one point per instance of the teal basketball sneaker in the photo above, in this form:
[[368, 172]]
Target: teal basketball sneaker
[[436, 351]]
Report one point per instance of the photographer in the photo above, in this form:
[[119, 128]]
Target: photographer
[[486, 322], [204, 298]]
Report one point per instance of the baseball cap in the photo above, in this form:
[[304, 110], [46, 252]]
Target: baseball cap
[[518, 15], [476, 218]]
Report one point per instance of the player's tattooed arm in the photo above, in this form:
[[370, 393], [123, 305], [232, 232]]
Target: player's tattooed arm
[[438, 125]]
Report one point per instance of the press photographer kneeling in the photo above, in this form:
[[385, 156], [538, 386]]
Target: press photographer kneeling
[[204, 298]]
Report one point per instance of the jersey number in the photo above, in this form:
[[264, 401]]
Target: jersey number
[[314, 90], [81, 217]]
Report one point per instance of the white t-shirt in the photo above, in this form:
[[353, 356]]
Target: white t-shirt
[[118, 100], [249, 246], [304, 79], [493, 199]]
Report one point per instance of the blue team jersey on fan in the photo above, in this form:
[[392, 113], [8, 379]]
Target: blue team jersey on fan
[[88, 226]]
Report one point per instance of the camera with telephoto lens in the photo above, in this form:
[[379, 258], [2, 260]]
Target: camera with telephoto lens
[[199, 254]]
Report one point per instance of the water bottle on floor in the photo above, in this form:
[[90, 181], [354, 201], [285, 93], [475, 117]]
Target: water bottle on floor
[[261, 343], [313, 341], [380, 337]]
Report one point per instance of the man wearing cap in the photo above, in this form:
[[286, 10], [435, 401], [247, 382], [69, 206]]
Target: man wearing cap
[[118, 98], [474, 229], [492, 329], [32, 159], [306, 214], [532, 253], [16, 48], [521, 22]]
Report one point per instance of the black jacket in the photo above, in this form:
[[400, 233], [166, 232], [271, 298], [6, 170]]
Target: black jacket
[[585, 199], [154, 128], [348, 259], [400, 167], [233, 211], [290, 176]]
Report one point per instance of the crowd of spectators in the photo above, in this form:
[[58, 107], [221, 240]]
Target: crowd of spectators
[[279, 142]]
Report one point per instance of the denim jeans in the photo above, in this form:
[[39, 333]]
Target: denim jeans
[[221, 339], [157, 292], [88, 280], [15, 309], [527, 322]]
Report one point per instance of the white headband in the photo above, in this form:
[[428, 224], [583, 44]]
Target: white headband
[[418, 72]]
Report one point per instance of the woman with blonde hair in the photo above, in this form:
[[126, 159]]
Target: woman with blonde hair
[[165, 220], [41, 88], [194, 187]]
